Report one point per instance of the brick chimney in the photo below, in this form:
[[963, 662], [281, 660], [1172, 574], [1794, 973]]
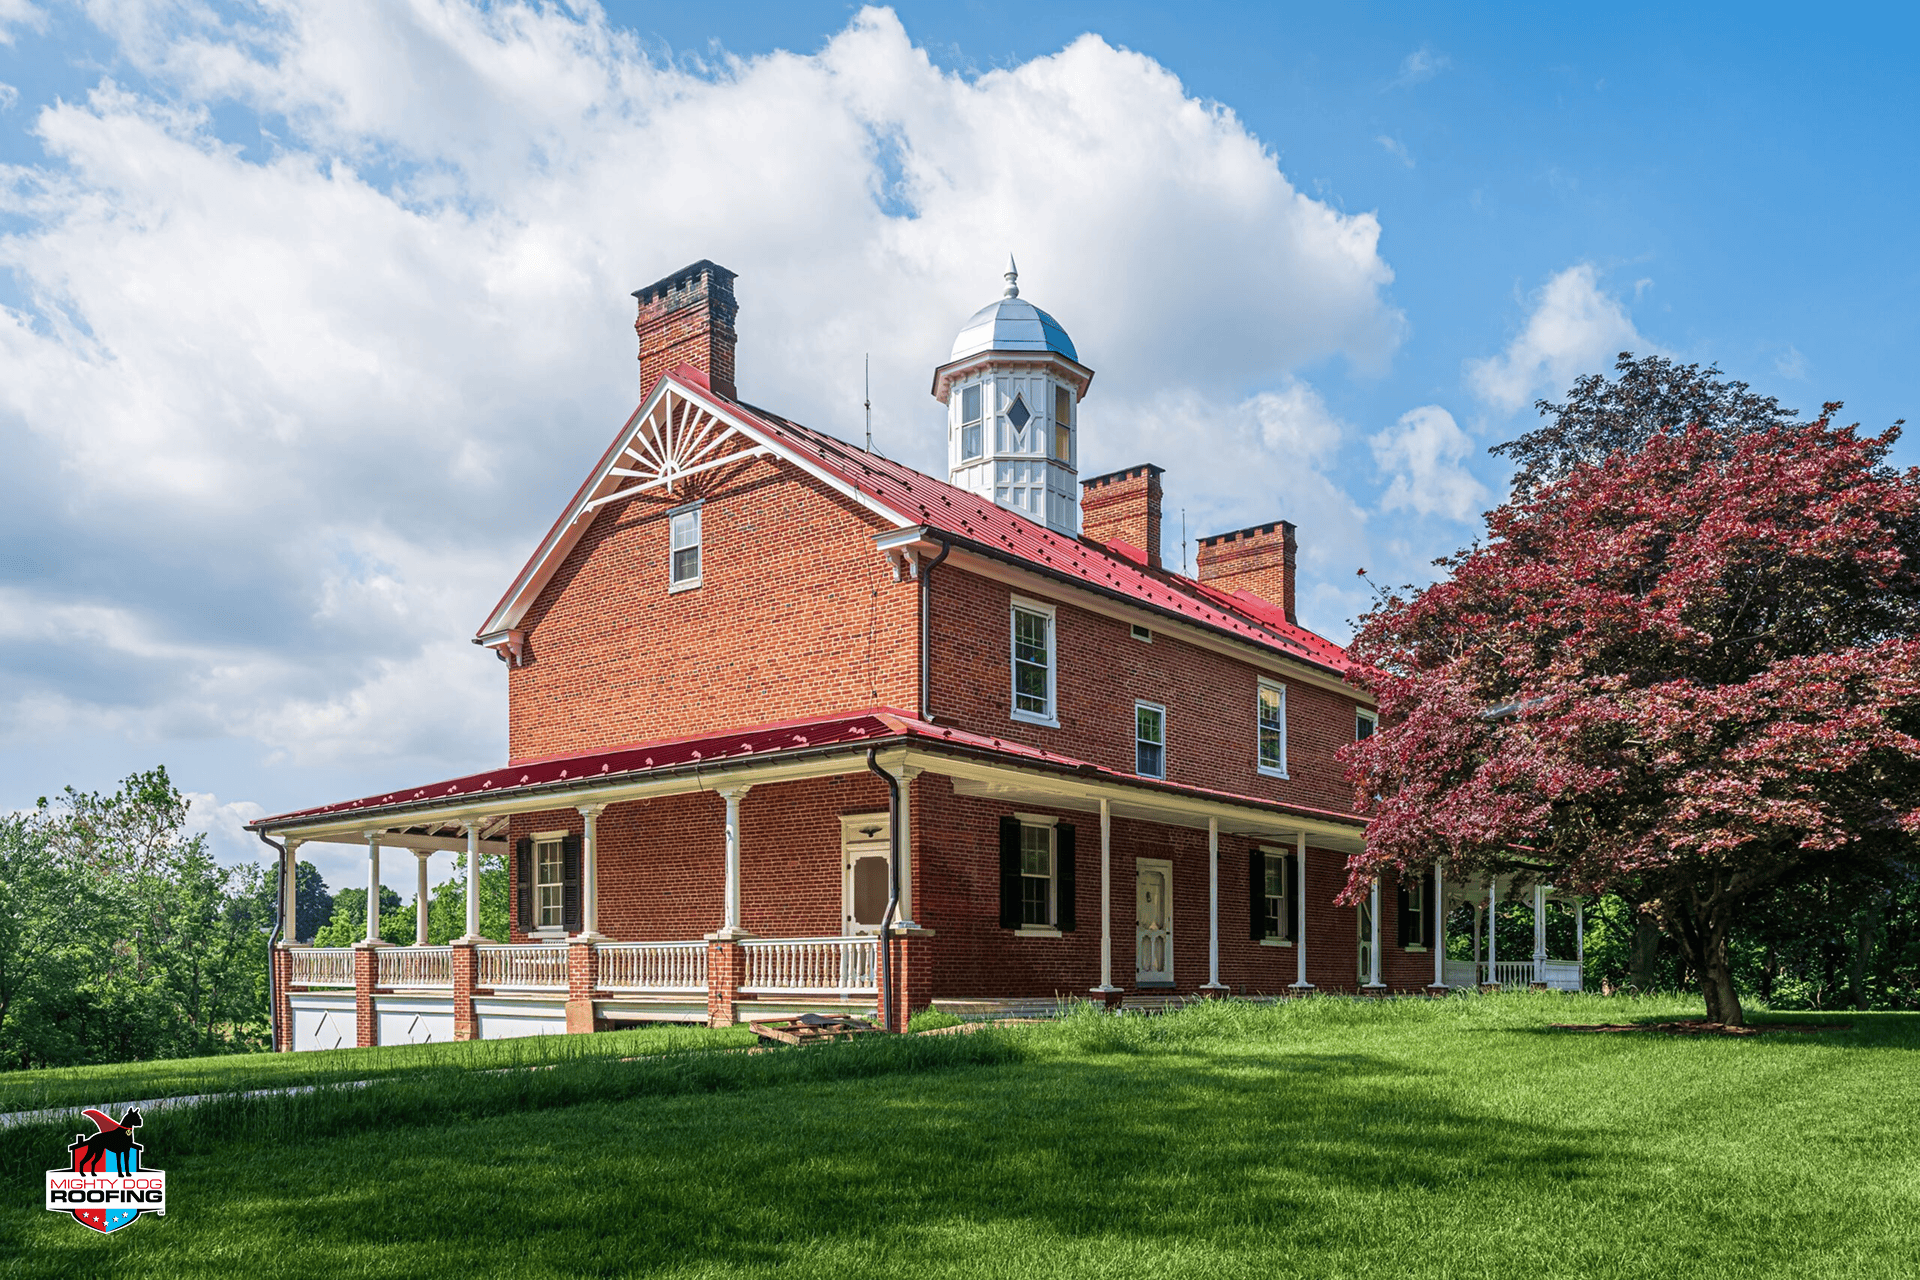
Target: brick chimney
[[1124, 505], [1259, 559], [687, 318]]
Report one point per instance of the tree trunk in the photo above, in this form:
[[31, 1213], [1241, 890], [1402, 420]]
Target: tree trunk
[[1866, 924], [1715, 966], [1644, 951]]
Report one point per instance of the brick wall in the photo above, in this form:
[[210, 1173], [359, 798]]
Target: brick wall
[[797, 614], [1210, 698]]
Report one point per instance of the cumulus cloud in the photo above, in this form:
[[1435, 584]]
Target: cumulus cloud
[[1424, 455], [15, 14], [1575, 328], [287, 405]]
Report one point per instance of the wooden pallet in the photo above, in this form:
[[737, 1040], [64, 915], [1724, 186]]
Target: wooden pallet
[[813, 1028]]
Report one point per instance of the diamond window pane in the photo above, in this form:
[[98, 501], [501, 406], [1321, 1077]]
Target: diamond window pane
[[1019, 414]]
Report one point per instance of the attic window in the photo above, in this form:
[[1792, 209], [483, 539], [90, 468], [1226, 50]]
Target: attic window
[[1019, 415], [1142, 633], [684, 549]]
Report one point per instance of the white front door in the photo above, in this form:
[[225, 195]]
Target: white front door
[[864, 891], [1153, 932]]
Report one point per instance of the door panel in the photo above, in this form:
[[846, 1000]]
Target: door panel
[[1153, 931], [864, 898]]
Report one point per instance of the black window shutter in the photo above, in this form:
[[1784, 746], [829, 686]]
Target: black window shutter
[[1009, 873], [570, 910], [1403, 914], [1291, 926], [1257, 892], [523, 877], [1063, 870]]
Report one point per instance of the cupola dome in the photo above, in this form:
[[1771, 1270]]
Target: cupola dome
[[1012, 387]]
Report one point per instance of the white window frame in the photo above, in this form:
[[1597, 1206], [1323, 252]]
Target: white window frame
[[1141, 632], [1051, 718], [1051, 929], [555, 840], [1371, 717], [699, 548], [978, 422], [1272, 771], [1287, 912], [1140, 705]]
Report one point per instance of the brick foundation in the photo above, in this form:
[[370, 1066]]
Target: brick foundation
[[726, 970], [282, 980], [582, 978], [366, 971], [466, 969]]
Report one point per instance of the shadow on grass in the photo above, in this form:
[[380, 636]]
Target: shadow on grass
[[1177, 1150]]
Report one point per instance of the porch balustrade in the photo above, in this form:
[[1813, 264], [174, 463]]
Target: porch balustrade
[[533, 967], [652, 966], [811, 966], [1561, 975], [416, 967], [323, 966]]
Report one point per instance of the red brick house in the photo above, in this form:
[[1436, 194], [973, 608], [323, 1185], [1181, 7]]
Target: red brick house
[[772, 696]]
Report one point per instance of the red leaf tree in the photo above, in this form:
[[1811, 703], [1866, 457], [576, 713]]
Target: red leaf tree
[[1686, 672]]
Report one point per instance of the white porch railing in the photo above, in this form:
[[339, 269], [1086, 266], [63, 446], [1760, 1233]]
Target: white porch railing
[[652, 966], [811, 966], [1560, 975], [416, 967], [323, 966], [532, 967]]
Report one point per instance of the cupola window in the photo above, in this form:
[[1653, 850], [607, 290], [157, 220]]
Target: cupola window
[[971, 445], [1062, 424], [1019, 415]]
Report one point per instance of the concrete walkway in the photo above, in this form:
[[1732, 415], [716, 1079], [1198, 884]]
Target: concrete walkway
[[14, 1119]]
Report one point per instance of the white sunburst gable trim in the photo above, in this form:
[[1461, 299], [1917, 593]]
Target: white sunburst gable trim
[[677, 433]]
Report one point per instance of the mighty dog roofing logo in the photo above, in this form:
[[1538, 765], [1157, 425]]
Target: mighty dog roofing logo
[[106, 1185]]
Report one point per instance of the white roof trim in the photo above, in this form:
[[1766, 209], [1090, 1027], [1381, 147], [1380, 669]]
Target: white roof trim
[[688, 425]]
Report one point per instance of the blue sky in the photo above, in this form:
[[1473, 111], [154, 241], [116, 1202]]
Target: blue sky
[[314, 315]]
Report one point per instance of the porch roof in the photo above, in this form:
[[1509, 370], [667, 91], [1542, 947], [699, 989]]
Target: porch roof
[[572, 778]]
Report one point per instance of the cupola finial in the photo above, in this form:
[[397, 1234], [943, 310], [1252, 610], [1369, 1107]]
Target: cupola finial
[[1013, 277]]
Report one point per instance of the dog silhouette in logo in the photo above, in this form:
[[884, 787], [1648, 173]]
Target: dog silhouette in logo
[[115, 1138]]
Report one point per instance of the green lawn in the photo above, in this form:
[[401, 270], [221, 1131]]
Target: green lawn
[[1319, 1138], [178, 1077]]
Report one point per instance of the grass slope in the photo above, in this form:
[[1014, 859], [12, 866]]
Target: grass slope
[[1317, 1138]]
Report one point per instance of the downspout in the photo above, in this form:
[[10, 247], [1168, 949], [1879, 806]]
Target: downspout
[[893, 889], [926, 591], [280, 892]]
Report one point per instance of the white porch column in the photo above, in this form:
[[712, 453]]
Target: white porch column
[[1213, 905], [1439, 924], [732, 927], [1106, 899], [1373, 940], [473, 883], [590, 873], [905, 920], [289, 905], [1300, 982], [373, 887], [1539, 931], [1580, 937], [1493, 931], [1477, 909], [420, 899]]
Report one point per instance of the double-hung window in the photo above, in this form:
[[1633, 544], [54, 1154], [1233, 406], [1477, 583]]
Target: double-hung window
[[1275, 877], [1270, 708], [1033, 663], [1036, 876], [1062, 425], [1364, 723], [970, 441], [684, 549], [549, 884], [1149, 740]]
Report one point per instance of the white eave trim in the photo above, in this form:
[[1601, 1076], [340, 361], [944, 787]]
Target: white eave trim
[[607, 480]]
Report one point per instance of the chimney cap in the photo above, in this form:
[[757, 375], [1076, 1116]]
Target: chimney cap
[[667, 283], [1250, 531], [1124, 473]]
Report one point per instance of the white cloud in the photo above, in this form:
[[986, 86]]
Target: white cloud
[[282, 418], [1575, 328], [8, 96], [1421, 65], [1791, 363], [1425, 455], [228, 840], [1397, 149], [20, 13]]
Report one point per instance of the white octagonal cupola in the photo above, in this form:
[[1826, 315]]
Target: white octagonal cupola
[[1013, 386]]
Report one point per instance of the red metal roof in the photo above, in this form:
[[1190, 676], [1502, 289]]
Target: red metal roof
[[871, 727], [917, 498]]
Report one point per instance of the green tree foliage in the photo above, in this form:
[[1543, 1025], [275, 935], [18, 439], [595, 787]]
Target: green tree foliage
[[446, 911], [121, 938], [312, 904]]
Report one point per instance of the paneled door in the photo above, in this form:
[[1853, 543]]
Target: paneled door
[[863, 856], [1153, 932]]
